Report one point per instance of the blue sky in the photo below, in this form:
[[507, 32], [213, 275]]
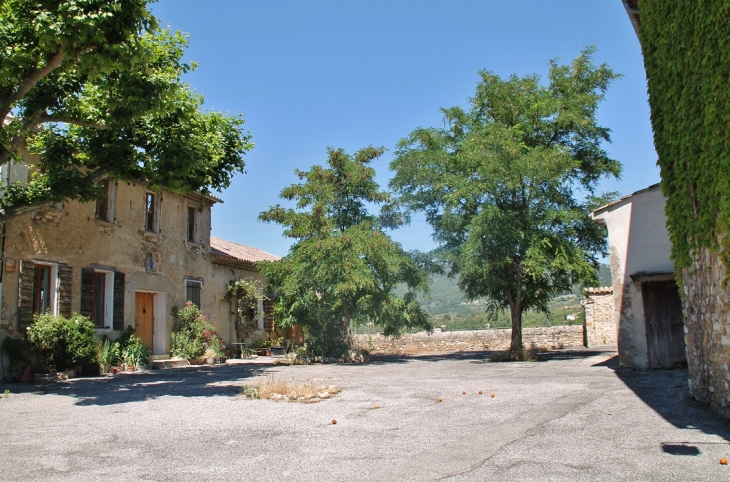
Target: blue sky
[[311, 74]]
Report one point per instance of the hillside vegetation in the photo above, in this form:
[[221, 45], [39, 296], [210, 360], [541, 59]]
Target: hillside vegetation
[[450, 311]]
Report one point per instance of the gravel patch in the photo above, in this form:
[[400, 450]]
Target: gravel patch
[[574, 415]]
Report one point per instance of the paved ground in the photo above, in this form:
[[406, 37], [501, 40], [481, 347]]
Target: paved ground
[[572, 416]]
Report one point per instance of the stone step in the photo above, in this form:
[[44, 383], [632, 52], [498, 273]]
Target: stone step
[[169, 363], [164, 356]]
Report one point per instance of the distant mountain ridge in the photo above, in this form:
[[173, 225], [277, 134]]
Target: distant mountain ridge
[[446, 304]]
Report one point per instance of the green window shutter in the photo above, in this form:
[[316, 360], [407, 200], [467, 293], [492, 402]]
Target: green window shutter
[[26, 279], [65, 282], [87, 291], [118, 301], [268, 315]]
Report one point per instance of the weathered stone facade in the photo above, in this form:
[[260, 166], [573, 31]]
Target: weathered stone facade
[[72, 236], [707, 317], [600, 317], [71, 244], [552, 337]]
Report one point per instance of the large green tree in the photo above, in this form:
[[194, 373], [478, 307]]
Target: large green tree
[[508, 185], [342, 266], [92, 89]]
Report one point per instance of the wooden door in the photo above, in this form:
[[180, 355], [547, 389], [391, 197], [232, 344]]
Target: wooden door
[[664, 324], [143, 317]]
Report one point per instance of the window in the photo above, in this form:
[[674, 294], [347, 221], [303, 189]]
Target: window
[[193, 218], [102, 297], [149, 220], [42, 295], [99, 298], [102, 205], [192, 291], [43, 287], [105, 207], [152, 212]]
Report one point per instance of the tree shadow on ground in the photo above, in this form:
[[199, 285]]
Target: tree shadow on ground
[[478, 356], [200, 381], [484, 355], [666, 392], [572, 354]]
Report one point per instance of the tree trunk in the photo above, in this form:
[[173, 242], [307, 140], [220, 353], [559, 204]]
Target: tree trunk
[[515, 349]]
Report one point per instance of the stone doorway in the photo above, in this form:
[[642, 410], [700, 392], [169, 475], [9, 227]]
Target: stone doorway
[[664, 324], [144, 317]]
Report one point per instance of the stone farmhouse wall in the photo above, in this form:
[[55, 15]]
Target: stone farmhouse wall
[[552, 337], [706, 306], [600, 316]]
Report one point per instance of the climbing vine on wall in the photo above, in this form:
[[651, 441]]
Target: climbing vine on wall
[[686, 45], [245, 293]]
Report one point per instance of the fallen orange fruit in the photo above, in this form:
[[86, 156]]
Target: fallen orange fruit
[[492, 395], [463, 393], [334, 422], [723, 461], [480, 392], [438, 400]]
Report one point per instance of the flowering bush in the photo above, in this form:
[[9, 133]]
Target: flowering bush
[[64, 342], [192, 336]]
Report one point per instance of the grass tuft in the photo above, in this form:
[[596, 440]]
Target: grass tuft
[[272, 388]]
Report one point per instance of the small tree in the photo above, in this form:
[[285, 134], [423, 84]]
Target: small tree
[[501, 183], [342, 264], [245, 293]]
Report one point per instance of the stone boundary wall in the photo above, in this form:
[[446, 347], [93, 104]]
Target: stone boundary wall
[[551, 337], [706, 305], [600, 316]]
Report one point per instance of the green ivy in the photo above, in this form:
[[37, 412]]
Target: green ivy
[[246, 295], [686, 46]]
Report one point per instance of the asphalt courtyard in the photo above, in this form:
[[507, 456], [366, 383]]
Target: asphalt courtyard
[[573, 415]]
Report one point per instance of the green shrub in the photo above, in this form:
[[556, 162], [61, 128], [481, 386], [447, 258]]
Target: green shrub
[[63, 342], [18, 349], [125, 337], [135, 354], [192, 336], [109, 353]]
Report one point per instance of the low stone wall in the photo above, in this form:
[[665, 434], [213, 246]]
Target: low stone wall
[[552, 337]]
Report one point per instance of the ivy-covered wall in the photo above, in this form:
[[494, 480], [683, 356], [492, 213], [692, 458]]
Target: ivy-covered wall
[[686, 46]]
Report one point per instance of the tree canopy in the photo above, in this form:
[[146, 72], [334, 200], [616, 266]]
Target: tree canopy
[[343, 266], [92, 89], [508, 186]]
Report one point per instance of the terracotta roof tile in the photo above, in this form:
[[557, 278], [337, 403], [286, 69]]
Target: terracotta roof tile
[[221, 247], [601, 290]]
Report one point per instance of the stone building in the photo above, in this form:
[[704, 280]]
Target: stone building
[[127, 260], [706, 297], [647, 305], [600, 322]]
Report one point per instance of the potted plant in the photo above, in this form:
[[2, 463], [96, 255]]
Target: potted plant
[[211, 357], [264, 346], [108, 354], [277, 347], [135, 354]]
